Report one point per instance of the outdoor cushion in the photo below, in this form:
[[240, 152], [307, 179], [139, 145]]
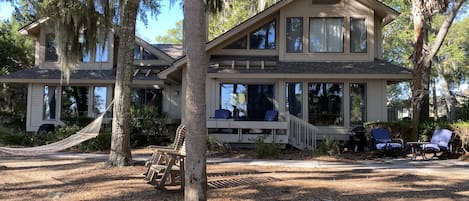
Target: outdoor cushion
[[222, 114], [271, 115], [383, 141], [388, 146], [439, 142]]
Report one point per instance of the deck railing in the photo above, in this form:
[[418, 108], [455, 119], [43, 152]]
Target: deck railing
[[302, 134]]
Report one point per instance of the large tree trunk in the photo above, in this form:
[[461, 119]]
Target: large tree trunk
[[420, 82], [448, 96], [424, 53], [120, 144], [195, 114]]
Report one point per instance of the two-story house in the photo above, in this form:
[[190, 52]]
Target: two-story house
[[317, 62]]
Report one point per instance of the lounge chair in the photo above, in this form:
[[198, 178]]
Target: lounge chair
[[159, 157], [381, 139], [439, 142]]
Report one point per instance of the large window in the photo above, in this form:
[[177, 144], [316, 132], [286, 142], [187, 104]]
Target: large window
[[294, 98], [247, 101], [357, 35], [99, 100], [294, 34], [50, 51], [241, 43], [326, 35], [264, 37], [49, 103], [102, 52], [357, 103], [147, 97], [142, 54], [326, 104], [74, 101]]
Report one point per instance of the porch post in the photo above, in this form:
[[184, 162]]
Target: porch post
[[281, 96]]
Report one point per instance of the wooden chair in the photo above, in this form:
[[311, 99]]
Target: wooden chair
[[171, 172], [158, 157]]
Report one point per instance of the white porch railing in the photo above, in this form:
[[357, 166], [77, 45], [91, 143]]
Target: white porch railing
[[302, 134]]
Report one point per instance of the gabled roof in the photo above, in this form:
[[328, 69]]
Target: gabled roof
[[173, 50], [387, 13]]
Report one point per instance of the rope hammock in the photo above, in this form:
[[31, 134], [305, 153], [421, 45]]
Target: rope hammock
[[89, 132]]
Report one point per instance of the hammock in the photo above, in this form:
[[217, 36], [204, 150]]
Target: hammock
[[89, 132]]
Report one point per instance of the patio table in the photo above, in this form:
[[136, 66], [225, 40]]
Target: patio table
[[417, 149]]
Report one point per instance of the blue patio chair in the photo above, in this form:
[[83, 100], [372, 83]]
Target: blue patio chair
[[222, 114], [439, 142], [271, 115], [381, 139]]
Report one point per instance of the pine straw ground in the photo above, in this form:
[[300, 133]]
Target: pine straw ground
[[36, 178]]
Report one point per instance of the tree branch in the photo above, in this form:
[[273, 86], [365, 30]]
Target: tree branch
[[444, 29]]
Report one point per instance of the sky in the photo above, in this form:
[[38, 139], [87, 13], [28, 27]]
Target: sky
[[165, 20]]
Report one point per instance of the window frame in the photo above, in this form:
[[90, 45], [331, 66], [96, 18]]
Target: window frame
[[365, 97], [46, 44], [302, 35], [44, 103], [366, 33], [324, 18], [342, 101], [255, 30]]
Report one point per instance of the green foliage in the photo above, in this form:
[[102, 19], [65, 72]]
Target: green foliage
[[234, 12], [463, 113], [100, 143], [80, 121], [213, 144], [16, 53], [461, 129], [148, 126], [172, 36], [329, 146], [266, 150]]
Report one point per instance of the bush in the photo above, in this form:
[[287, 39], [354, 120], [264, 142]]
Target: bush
[[461, 129], [329, 146], [80, 121], [266, 150], [213, 144], [21, 139], [403, 128], [463, 113], [148, 126], [100, 143]]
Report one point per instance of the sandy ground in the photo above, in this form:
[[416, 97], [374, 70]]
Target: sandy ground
[[48, 178]]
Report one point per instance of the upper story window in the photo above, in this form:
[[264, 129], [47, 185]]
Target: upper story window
[[142, 54], [357, 35], [326, 34], [264, 37], [102, 53], [294, 34], [241, 43], [148, 56], [50, 51], [137, 53]]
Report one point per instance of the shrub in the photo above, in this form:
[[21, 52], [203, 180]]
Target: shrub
[[403, 128], [266, 150], [21, 139], [148, 126], [216, 145], [461, 129], [463, 113], [329, 146], [100, 143]]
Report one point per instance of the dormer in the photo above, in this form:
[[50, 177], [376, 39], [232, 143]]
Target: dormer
[[310, 30], [43, 32]]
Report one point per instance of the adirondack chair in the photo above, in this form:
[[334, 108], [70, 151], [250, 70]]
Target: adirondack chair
[[158, 157], [171, 172]]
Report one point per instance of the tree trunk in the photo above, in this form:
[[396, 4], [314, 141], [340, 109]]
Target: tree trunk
[[449, 98], [195, 114], [435, 99], [120, 144], [424, 53], [420, 82]]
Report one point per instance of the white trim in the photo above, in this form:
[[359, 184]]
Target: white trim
[[312, 76]]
